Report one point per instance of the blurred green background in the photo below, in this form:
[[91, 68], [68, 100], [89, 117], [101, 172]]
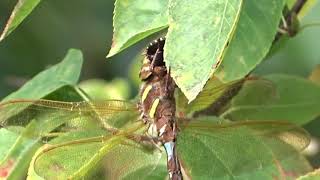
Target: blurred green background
[[55, 26], [50, 30]]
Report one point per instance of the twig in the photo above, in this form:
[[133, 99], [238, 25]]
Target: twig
[[298, 6], [287, 21]]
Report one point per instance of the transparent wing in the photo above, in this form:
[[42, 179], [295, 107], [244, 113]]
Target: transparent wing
[[212, 92], [41, 117], [215, 96], [247, 148], [67, 133], [284, 131], [117, 158]]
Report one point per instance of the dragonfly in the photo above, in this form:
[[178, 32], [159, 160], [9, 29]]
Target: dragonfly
[[116, 128]]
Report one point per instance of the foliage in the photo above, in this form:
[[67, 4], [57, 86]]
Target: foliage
[[211, 46], [20, 12]]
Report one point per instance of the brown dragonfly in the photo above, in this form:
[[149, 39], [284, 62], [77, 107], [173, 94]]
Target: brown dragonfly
[[128, 137]]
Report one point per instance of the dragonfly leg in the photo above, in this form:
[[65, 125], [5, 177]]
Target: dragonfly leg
[[143, 116], [170, 85], [168, 80], [153, 141], [156, 143], [158, 57], [109, 128]]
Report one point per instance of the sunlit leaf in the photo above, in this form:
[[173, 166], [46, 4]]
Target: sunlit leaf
[[99, 89], [22, 9], [135, 162], [257, 26], [44, 84], [197, 36], [97, 151], [41, 117], [242, 150], [7, 140], [29, 133], [66, 72], [293, 99], [136, 19], [64, 158]]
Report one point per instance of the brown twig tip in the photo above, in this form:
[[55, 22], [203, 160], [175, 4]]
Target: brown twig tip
[[298, 6], [287, 21]]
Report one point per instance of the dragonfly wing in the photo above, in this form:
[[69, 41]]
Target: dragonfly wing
[[216, 96], [43, 116], [211, 93], [242, 149], [135, 163], [114, 160], [284, 131], [117, 157]]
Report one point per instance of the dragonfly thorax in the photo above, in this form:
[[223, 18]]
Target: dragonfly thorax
[[157, 104]]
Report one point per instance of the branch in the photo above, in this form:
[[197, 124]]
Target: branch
[[287, 22], [298, 6]]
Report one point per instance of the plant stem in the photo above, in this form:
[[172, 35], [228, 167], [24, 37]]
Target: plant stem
[[288, 20]]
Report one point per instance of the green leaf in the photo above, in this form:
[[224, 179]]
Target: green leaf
[[197, 36], [290, 98], [210, 148], [22, 9], [29, 139], [136, 19], [99, 89], [16, 163], [315, 75], [134, 161], [66, 72], [7, 140], [258, 23], [73, 155], [41, 119], [79, 155], [43, 85]]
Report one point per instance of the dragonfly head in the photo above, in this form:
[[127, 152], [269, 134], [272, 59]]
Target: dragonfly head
[[153, 58], [154, 52]]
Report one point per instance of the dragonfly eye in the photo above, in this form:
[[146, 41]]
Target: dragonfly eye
[[153, 62], [154, 52]]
